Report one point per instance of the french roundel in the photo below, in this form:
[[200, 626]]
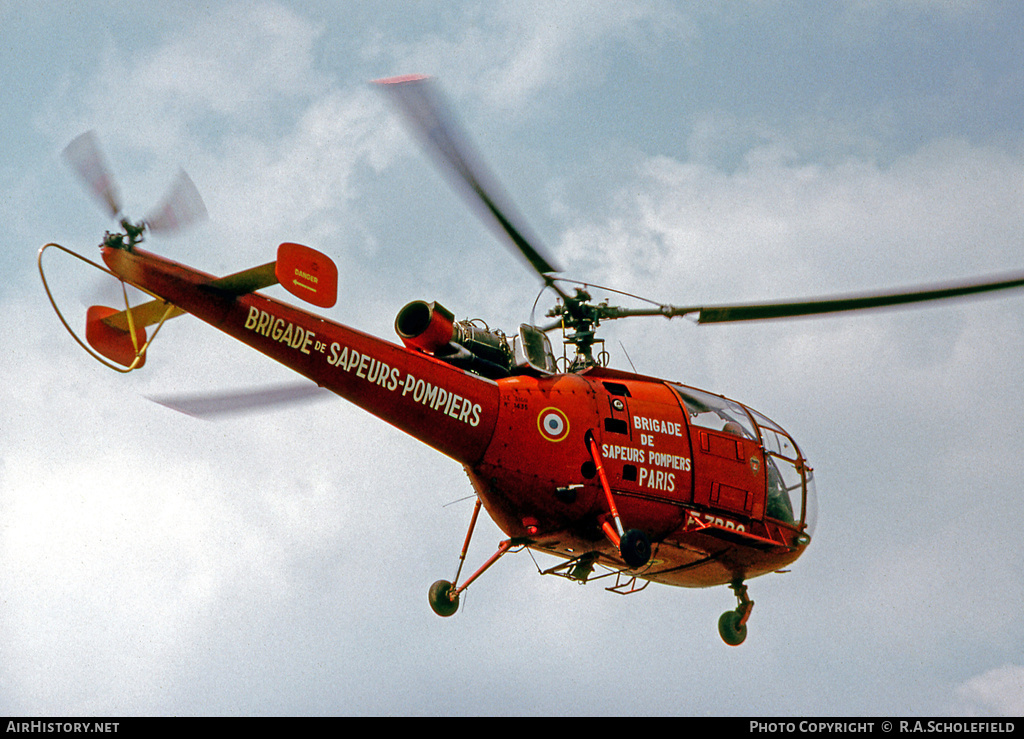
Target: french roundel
[[553, 424]]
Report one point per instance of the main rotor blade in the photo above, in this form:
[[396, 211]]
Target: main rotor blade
[[181, 207], [825, 305], [84, 156], [437, 127], [219, 405]]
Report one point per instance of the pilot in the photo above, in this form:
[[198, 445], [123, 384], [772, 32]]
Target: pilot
[[733, 428], [779, 505]]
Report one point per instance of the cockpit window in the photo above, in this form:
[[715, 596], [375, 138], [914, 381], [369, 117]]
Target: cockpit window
[[791, 495], [715, 412]]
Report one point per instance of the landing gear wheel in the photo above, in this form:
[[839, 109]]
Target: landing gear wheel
[[731, 630], [635, 548], [441, 600]]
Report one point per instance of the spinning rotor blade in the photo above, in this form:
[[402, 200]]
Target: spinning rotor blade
[[216, 405], [437, 127], [820, 306], [84, 156], [182, 206]]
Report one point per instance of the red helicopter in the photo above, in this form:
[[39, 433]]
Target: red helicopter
[[618, 475]]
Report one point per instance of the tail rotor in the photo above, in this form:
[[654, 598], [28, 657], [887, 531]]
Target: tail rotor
[[181, 207], [84, 156]]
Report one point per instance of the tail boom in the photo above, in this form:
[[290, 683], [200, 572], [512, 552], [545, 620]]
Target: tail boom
[[451, 410]]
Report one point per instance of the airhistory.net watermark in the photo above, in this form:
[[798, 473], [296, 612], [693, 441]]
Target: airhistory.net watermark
[[61, 727]]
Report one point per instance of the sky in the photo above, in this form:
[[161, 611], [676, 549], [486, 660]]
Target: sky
[[152, 563]]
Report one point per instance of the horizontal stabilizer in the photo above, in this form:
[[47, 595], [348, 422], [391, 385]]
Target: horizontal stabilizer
[[248, 281], [143, 315], [304, 272], [240, 283]]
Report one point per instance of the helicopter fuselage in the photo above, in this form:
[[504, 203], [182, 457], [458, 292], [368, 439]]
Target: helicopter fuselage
[[721, 492]]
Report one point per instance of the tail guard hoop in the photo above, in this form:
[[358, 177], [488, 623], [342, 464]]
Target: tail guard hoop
[[117, 338], [125, 348]]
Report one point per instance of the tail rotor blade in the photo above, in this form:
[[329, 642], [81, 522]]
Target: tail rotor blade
[[85, 157], [181, 207]]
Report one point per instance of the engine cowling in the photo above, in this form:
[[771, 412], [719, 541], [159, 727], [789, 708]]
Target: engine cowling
[[432, 328], [428, 327]]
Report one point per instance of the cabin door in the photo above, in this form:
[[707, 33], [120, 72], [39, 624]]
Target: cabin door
[[728, 462], [645, 443]]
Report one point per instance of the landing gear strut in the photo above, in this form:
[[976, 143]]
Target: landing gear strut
[[732, 625], [634, 546], [444, 596]]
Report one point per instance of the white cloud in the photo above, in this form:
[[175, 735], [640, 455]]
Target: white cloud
[[511, 51], [777, 228], [301, 183], [998, 692], [235, 67]]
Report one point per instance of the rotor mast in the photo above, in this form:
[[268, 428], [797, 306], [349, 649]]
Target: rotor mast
[[578, 318]]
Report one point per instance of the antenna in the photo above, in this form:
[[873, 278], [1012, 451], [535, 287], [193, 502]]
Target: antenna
[[627, 357]]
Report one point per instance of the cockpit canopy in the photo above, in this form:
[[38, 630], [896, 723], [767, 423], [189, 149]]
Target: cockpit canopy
[[791, 495]]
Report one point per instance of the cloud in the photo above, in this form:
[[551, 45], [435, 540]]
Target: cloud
[[947, 8], [274, 143], [998, 692], [302, 182], [944, 211], [510, 52], [142, 548], [238, 66]]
